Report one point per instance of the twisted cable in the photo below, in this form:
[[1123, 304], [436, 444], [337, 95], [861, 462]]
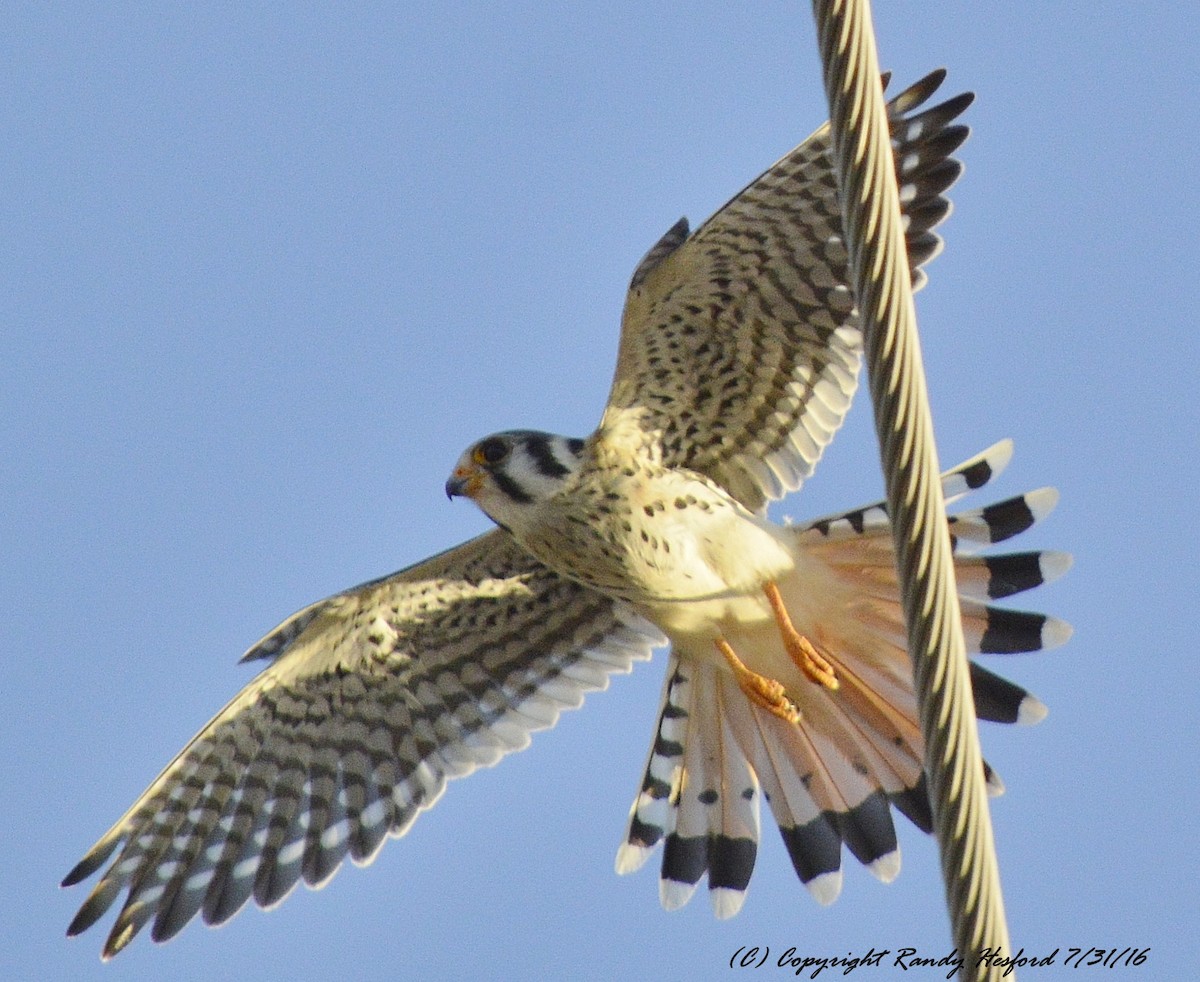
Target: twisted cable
[[903, 422]]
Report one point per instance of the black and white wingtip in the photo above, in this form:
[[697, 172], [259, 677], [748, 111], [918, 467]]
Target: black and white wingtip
[[922, 145], [1031, 710], [726, 901], [971, 530], [825, 888], [956, 482], [1007, 574], [998, 700], [728, 861], [866, 831], [980, 470]]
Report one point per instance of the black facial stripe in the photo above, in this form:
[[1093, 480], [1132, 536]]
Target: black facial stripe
[[511, 488], [576, 445], [543, 457]]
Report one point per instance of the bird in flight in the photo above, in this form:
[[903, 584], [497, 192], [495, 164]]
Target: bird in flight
[[787, 683]]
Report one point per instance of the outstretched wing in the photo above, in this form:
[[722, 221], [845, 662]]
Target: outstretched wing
[[740, 344], [372, 700]]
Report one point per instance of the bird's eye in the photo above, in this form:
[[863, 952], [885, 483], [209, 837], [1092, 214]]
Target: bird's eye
[[490, 452]]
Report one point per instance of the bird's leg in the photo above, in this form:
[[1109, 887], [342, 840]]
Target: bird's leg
[[799, 648], [766, 692]]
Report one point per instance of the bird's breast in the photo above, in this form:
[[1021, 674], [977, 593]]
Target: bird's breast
[[684, 553]]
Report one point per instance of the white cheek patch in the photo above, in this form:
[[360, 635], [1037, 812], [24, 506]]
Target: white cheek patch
[[536, 468], [524, 470]]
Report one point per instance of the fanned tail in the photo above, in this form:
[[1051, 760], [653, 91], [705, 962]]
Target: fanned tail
[[699, 797], [831, 779]]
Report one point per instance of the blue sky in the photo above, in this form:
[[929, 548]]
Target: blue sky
[[266, 273]]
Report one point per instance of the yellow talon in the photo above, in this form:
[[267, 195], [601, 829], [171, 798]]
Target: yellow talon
[[806, 657], [766, 692]]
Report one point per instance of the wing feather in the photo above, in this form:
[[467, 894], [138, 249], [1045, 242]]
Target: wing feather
[[371, 701], [740, 343]]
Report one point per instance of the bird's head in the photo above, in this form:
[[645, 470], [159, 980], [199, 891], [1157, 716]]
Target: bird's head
[[506, 473]]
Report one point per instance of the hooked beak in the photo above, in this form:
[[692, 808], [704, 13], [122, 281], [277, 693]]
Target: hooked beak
[[465, 481]]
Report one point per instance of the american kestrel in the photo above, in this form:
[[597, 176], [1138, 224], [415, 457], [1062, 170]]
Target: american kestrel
[[787, 678]]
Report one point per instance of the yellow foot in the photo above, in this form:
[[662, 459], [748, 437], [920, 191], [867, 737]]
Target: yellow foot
[[798, 646], [766, 692]]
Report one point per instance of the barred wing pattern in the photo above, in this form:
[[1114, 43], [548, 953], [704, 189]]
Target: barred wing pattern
[[372, 700], [740, 344]]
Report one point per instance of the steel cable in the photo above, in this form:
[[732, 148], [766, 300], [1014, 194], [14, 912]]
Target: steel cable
[[903, 422]]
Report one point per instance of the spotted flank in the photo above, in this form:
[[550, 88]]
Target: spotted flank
[[832, 779]]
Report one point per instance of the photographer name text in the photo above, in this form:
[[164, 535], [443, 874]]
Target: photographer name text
[[951, 965]]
